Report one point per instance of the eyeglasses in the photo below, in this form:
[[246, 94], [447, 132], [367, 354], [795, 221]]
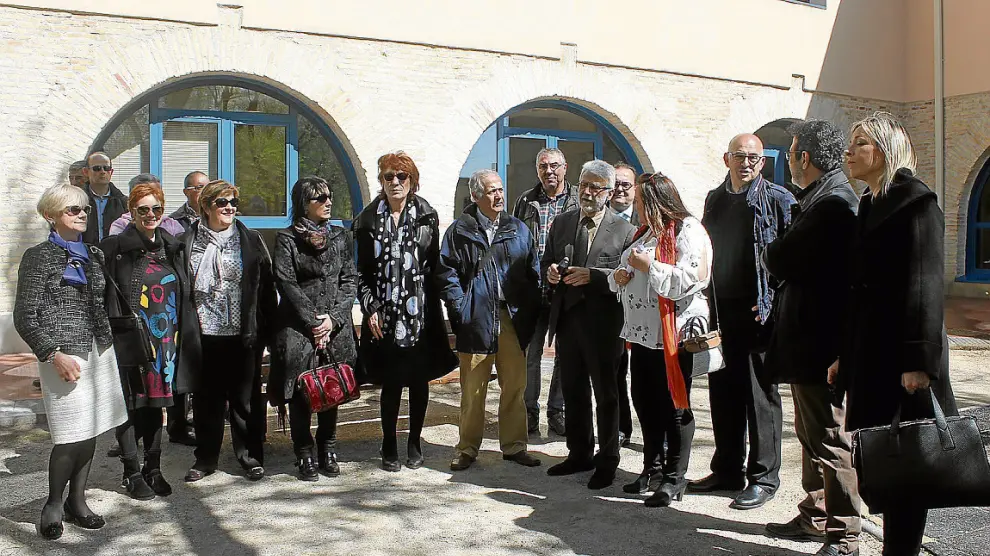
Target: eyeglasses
[[194, 188], [222, 202], [99, 168], [793, 154], [593, 187], [401, 175], [323, 198], [623, 185], [74, 210], [553, 166], [739, 157], [143, 210]]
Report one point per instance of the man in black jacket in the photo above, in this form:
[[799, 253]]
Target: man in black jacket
[[107, 201], [811, 262], [743, 215], [538, 208], [490, 281], [586, 318], [623, 203]]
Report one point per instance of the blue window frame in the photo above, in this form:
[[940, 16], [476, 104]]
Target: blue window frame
[[146, 120], [775, 167], [978, 230]]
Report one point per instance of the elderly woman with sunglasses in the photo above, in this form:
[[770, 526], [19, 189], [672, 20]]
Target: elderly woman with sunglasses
[[403, 336], [142, 262], [59, 312], [315, 274], [226, 326]]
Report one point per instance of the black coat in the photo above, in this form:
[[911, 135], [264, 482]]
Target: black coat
[[811, 263], [895, 319], [116, 206], [597, 300], [259, 304], [311, 282], [471, 294], [440, 359]]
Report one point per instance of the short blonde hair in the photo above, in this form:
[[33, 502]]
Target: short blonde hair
[[57, 198], [212, 191], [893, 141]]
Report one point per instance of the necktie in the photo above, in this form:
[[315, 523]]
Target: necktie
[[581, 242]]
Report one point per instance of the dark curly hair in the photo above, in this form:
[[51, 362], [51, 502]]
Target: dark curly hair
[[822, 140]]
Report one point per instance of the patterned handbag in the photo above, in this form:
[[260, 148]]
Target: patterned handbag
[[704, 344], [327, 385]]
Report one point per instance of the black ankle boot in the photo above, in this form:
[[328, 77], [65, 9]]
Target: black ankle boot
[[157, 481], [671, 490], [642, 483], [137, 487], [328, 463]]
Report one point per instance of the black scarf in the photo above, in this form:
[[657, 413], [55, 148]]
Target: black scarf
[[400, 278]]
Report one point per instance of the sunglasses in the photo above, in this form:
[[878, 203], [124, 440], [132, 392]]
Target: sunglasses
[[322, 198], [401, 175], [144, 210], [74, 210], [223, 202], [101, 168]]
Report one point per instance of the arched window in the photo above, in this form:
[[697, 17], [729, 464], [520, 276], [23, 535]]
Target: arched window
[[247, 133], [978, 238], [776, 142], [510, 146]]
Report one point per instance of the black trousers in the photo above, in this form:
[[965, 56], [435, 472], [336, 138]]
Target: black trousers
[[179, 422], [625, 412], [903, 531], [742, 398], [657, 416], [231, 379], [588, 361], [300, 420]]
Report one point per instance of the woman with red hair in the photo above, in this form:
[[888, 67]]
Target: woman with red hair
[[142, 262], [403, 336]]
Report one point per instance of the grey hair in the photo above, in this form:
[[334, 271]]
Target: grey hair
[[550, 150], [599, 169], [822, 140], [77, 165], [476, 184], [893, 141], [144, 178], [55, 199]]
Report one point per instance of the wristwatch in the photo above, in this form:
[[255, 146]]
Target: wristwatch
[[51, 356]]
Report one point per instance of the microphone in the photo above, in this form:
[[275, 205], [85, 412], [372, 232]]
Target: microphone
[[566, 261]]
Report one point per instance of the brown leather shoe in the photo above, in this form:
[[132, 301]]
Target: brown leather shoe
[[461, 462], [796, 529], [523, 458]]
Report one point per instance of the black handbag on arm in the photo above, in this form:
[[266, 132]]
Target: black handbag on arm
[[131, 340], [943, 456]]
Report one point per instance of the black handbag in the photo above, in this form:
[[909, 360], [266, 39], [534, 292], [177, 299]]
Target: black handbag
[[131, 339], [928, 463]]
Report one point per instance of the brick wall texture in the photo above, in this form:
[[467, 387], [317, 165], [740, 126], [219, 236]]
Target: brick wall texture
[[67, 76]]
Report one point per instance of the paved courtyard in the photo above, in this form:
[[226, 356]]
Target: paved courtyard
[[496, 507]]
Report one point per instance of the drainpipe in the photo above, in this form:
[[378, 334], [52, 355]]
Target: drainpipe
[[939, 106]]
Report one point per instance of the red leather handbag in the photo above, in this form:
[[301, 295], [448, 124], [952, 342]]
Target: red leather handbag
[[326, 386]]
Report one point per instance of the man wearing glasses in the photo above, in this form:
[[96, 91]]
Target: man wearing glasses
[[191, 186], [586, 317], [743, 215], [107, 201], [77, 174], [622, 203], [538, 208]]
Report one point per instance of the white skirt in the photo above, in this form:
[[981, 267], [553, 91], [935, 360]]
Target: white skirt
[[90, 406]]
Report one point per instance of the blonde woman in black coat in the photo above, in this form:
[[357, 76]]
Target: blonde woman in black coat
[[315, 275], [896, 345]]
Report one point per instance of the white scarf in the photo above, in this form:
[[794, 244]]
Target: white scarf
[[208, 275]]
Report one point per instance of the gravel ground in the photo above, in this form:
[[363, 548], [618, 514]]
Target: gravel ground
[[496, 507]]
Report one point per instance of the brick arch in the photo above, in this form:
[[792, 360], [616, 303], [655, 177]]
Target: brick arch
[[963, 199]]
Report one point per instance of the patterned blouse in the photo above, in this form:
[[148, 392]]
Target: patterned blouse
[[683, 282], [219, 308]]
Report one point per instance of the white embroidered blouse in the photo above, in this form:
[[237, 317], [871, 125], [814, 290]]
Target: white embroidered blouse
[[683, 282]]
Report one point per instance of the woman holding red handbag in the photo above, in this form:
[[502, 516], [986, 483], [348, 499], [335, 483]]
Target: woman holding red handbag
[[317, 280]]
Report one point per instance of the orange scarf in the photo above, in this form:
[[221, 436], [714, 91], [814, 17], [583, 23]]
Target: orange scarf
[[667, 253]]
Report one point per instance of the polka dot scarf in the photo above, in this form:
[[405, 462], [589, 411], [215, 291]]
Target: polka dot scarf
[[400, 279]]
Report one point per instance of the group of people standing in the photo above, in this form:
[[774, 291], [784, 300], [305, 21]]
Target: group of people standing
[[837, 295]]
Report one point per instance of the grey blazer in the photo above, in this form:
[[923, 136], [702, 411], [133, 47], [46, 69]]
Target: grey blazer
[[50, 314], [596, 299]]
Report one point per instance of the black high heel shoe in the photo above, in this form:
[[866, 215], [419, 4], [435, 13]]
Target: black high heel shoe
[[642, 483], [92, 521], [668, 492]]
